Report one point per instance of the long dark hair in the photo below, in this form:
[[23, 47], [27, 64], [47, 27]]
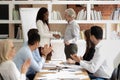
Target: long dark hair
[[40, 15], [88, 41]]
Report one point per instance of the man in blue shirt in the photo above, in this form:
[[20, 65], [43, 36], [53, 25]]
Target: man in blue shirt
[[30, 50]]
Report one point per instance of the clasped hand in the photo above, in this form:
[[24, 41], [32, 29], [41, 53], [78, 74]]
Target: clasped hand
[[46, 50]]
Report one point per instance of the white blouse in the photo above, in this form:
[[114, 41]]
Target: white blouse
[[9, 71], [44, 32]]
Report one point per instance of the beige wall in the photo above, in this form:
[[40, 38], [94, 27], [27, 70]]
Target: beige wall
[[58, 27]]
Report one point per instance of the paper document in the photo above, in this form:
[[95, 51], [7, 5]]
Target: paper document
[[49, 65], [63, 75]]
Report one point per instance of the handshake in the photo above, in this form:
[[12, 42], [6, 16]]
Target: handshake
[[57, 35]]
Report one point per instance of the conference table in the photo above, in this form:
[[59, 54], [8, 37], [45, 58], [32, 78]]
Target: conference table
[[58, 70]]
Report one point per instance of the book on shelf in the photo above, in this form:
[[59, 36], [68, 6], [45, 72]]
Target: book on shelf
[[96, 15], [99, 15], [115, 14], [16, 15], [92, 15], [3, 36], [85, 15], [56, 15], [77, 18], [82, 34], [81, 15], [59, 15], [19, 33]]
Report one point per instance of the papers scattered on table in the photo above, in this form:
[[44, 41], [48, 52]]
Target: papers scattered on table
[[62, 71], [52, 63], [49, 65], [49, 70], [64, 64], [63, 75]]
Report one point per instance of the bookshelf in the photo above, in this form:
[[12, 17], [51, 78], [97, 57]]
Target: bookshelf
[[60, 5]]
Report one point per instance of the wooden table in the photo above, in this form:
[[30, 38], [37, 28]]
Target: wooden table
[[41, 74], [79, 72]]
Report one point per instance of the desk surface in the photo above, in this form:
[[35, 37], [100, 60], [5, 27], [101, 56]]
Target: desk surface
[[62, 72], [41, 74]]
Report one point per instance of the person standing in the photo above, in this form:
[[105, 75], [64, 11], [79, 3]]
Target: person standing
[[72, 34], [44, 29]]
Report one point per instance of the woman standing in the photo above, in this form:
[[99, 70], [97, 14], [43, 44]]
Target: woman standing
[[43, 28]]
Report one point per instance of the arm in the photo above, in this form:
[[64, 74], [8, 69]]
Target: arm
[[36, 55], [93, 65], [37, 66], [14, 72], [41, 29]]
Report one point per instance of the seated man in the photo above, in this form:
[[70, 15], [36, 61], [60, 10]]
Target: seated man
[[27, 52], [98, 65], [36, 55]]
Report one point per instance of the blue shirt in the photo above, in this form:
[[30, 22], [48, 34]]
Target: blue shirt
[[25, 53], [37, 58]]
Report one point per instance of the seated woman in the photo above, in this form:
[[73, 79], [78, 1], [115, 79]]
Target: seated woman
[[8, 69], [90, 48]]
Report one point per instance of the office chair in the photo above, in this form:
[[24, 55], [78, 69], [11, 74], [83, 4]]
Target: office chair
[[116, 74], [1, 78]]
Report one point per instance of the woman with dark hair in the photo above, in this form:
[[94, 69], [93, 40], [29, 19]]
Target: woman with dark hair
[[90, 47], [43, 28], [42, 15]]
